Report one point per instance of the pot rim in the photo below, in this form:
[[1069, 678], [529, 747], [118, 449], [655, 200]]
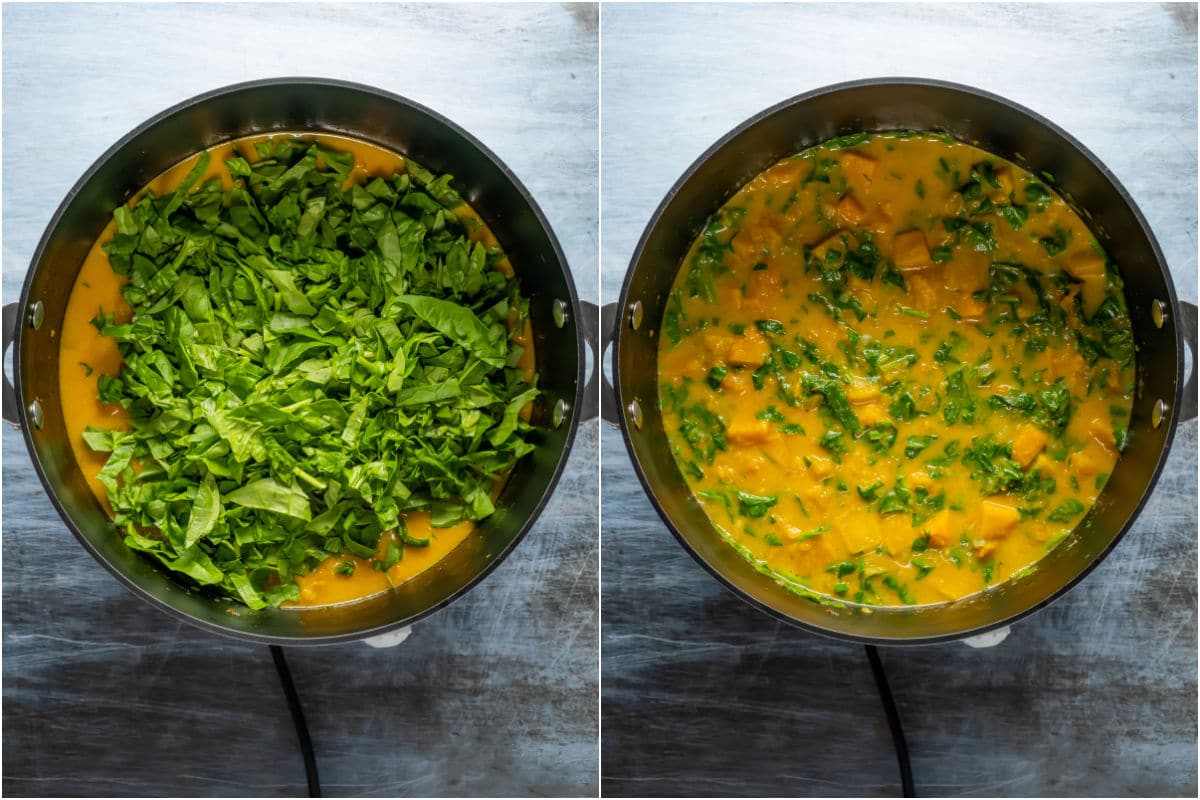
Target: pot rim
[[689, 174], [390, 97]]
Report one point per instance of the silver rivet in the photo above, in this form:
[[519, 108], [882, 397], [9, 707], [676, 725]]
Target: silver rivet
[[36, 313], [635, 413], [35, 414], [560, 412], [1158, 313], [635, 314], [561, 313], [1158, 413]]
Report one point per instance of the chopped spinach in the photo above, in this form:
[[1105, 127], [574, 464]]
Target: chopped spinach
[[703, 430], [308, 360], [917, 444], [834, 442], [835, 400], [1066, 511], [848, 141], [880, 436], [1050, 408], [770, 414], [1054, 244], [1016, 215], [753, 505], [770, 326], [709, 262], [870, 493]]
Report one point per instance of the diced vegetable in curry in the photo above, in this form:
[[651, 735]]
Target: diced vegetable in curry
[[896, 369]]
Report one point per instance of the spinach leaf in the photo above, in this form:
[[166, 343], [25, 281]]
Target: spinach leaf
[[1015, 214], [709, 261], [205, 512], [753, 505], [770, 326], [917, 444], [835, 400], [770, 414], [459, 324], [1066, 511]]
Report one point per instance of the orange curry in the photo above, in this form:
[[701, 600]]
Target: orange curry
[[896, 369]]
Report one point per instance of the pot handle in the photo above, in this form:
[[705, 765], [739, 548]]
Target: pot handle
[[982, 641], [598, 397], [390, 639], [1187, 405], [8, 394]]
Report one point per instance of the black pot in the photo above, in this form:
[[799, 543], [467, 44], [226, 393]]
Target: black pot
[[1160, 325], [308, 105]]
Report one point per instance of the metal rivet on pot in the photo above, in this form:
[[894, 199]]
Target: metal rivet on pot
[[560, 412], [36, 313], [635, 314], [561, 314], [635, 413], [35, 414], [1158, 313], [1158, 413]]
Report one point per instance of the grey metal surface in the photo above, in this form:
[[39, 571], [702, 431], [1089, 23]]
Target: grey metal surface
[[1095, 695], [495, 695]]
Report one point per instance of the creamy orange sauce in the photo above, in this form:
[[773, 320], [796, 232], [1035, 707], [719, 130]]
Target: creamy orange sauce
[[85, 355], [324, 586], [758, 345]]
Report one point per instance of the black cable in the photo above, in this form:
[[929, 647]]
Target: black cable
[[293, 701], [893, 718]]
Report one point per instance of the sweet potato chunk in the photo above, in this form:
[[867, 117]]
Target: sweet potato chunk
[[821, 467], [984, 548], [1029, 441], [997, 519], [858, 166], [735, 383], [831, 242], [748, 351], [746, 429], [920, 480], [762, 290], [1066, 362], [924, 290], [717, 343], [911, 252], [870, 413], [940, 529], [969, 308], [1084, 465], [862, 390], [849, 211]]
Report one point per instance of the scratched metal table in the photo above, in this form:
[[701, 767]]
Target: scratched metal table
[[496, 695], [1095, 695]]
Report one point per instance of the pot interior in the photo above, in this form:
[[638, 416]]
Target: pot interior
[[994, 125], [304, 106]]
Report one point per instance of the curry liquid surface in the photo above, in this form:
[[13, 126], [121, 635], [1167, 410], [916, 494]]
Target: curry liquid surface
[[887, 512], [85, 355]]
